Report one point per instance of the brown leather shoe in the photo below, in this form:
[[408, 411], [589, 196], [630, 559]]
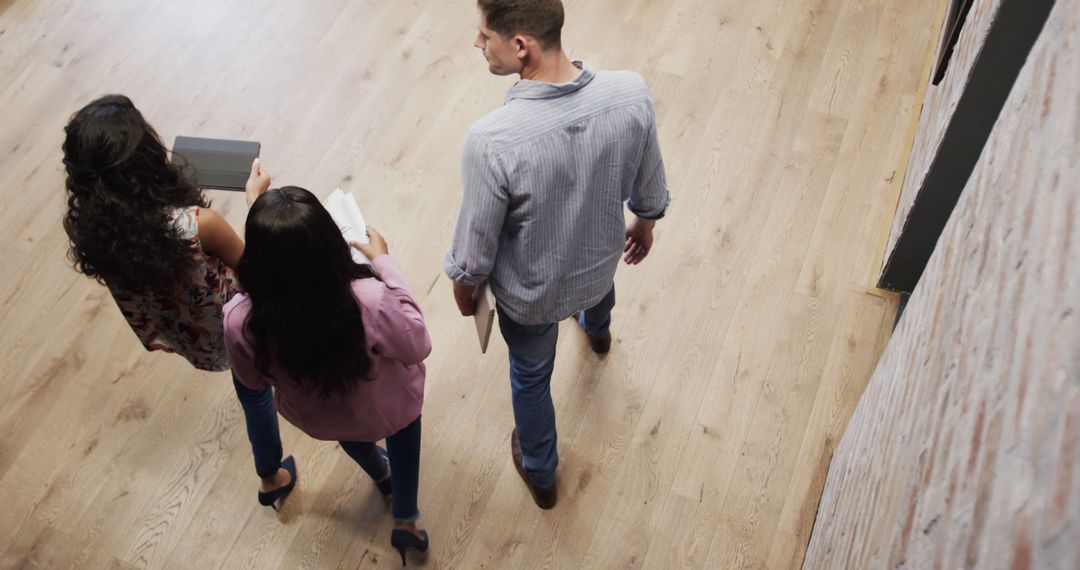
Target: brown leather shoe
[[600, 345], [545, 497]]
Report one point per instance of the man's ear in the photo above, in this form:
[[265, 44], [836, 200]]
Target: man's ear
[[521, 46]]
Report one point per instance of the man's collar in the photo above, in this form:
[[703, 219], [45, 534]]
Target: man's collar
[[529, 89]]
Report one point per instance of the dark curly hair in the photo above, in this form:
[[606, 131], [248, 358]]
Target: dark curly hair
[[298, 271], [120, 186]]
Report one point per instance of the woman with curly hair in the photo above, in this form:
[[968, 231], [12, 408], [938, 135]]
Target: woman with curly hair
[[143, 229], [342, 343]]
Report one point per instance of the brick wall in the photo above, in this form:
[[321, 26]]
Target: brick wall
[[964, 450]]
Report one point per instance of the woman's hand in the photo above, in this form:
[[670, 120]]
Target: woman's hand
[[375, 247], [257, 183]]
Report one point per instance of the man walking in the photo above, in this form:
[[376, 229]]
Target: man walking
[[544, 181]]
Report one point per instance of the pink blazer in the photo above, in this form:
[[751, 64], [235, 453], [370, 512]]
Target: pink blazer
[[397, 341]]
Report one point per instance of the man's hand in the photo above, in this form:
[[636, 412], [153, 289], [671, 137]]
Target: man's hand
[[639, 240], [375, 246], [466, 300], [258, 182]]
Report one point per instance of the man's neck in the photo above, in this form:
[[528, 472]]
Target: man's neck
[[552, 67]]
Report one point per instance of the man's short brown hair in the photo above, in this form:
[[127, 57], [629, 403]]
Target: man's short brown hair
[[541, 19]]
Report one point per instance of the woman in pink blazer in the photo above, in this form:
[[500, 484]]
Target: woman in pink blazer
[[341, 343]]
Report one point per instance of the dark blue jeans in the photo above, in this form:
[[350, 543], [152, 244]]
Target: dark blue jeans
[[403, 449], [597, 320], [262, 427], [532, 359]]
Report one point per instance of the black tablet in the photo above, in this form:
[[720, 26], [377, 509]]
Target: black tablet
[[215, 163]]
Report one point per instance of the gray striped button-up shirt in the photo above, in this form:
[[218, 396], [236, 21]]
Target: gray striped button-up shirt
[[544, 181]]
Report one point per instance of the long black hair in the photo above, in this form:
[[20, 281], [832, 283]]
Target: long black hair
[[120, 186], [298, 271]]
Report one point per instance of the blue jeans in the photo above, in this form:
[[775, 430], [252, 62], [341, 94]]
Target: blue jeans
[[404, 453], [532, 359], [596, 321], [260, 415]]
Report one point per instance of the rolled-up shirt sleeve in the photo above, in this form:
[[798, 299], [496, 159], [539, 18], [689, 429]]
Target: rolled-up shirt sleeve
[[649, 197], [484, 201]]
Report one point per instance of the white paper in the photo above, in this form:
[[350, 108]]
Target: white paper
[[347, 216]]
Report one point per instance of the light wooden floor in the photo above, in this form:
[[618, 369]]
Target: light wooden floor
[[743, 343]]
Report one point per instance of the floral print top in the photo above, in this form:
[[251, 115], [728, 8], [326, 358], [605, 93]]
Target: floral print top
[[189, 321]]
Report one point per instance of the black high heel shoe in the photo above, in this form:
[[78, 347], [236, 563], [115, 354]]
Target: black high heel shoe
[[270, 498], [403, 540]]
